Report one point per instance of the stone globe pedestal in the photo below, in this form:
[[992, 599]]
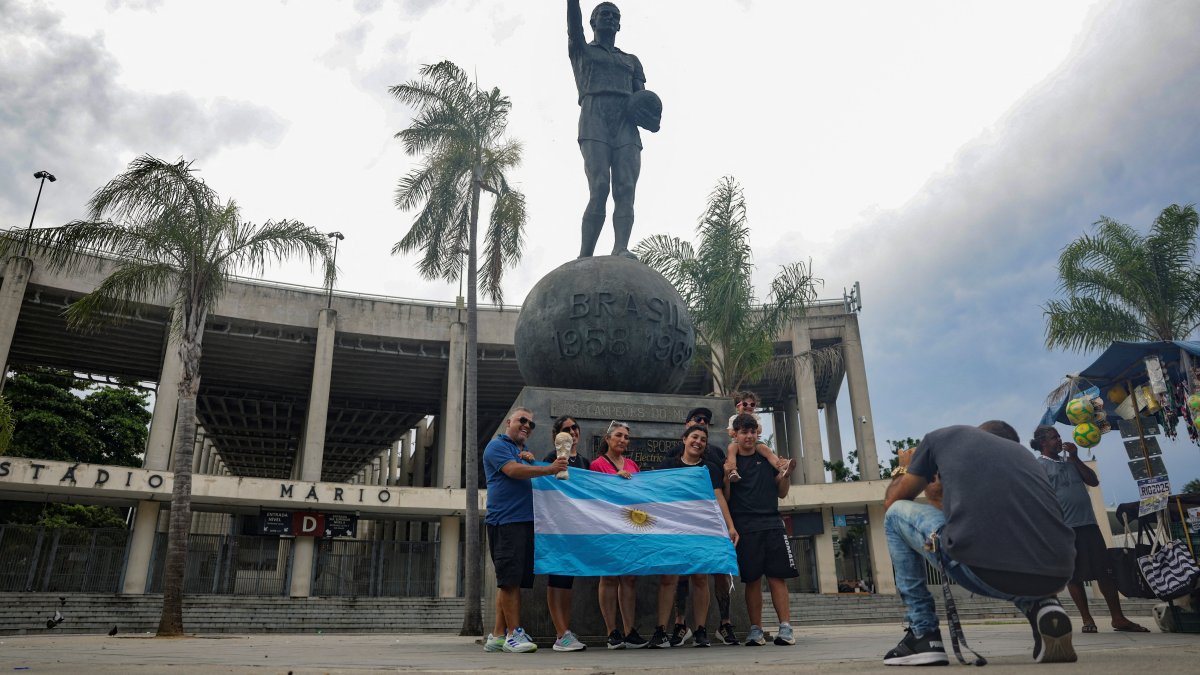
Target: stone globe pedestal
[[605, 323]]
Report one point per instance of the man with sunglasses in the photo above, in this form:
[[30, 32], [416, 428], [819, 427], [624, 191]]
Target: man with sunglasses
[[509, 520]]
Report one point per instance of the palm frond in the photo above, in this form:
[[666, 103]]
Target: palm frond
[[116, 299]]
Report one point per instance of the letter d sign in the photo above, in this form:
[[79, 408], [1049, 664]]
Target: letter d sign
[[308, 524]]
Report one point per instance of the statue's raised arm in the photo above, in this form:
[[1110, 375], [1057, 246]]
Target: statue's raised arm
[[606, 80], [575, 38]]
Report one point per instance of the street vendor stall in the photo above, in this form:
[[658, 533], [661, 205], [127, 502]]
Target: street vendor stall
[[1141, 390]]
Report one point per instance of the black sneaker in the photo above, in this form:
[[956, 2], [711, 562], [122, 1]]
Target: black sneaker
[[635, 641], [1051, 633], [926, 650], [727, 636], [701, 637], [660, 639], [616, 640], [680, 635]]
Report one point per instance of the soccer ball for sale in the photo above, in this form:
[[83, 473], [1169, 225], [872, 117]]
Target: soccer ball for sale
[[1086, 435], [1079, 410], [1193, 403]]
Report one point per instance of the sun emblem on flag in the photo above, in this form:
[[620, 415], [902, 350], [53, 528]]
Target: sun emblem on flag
[[639, 519]]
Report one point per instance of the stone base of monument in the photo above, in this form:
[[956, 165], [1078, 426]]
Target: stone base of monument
[[656, 423]]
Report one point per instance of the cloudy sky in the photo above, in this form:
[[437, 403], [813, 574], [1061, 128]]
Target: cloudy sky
[[940, 153]]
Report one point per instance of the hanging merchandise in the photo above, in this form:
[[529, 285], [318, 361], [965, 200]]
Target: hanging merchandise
[[1079, 410], [1158, 382], [1190, 411], [1086, 435]]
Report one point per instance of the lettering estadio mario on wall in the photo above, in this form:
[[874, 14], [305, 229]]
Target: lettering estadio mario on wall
[[21, 475]]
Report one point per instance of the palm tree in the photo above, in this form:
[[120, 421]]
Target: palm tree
[[1121, 285], [459, 128], [172, 237], [714, 280]]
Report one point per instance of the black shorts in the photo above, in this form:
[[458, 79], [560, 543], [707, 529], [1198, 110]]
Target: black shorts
[[1091, 555], [766, 553], [511, 545], [560, 581]]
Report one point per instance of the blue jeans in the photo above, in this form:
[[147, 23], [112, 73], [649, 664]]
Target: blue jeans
[[908, 525]]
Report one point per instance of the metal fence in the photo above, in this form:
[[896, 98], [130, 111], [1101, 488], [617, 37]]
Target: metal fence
[[40, 559], [376, 568], [34, 558], [223, 564]]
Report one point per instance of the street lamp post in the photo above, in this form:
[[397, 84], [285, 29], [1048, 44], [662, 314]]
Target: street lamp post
[[44, 176], [336, 237]]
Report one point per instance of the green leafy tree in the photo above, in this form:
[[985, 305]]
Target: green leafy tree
[[736, 333], [59, 416], [1121, 285], [1192, 487], [62, 417], [7, 422], [847, 470], [459, 131], [172, 237]]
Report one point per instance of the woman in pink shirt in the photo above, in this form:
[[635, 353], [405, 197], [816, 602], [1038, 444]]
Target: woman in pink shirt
[[613, 461]]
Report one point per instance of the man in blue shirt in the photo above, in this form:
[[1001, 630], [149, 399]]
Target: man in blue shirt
[[506, 464]]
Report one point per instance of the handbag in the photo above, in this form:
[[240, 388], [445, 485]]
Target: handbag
[[1170, 569], [1127, 574]]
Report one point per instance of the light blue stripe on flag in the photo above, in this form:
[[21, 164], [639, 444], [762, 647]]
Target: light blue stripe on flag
[[658, 522]]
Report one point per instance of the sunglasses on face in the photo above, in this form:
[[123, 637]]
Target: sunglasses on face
[[525, 421], [570, 427], [700, 418]]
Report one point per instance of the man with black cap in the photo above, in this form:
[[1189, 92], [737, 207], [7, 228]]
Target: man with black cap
[[721, 582]]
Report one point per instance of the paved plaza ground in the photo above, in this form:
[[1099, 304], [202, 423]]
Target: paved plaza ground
[[852, 649]]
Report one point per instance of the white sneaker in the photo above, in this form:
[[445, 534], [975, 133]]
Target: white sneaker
[[517, 642], [569, 642], [493, 643]]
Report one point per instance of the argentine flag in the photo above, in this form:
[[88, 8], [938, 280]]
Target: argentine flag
[[657, 522]]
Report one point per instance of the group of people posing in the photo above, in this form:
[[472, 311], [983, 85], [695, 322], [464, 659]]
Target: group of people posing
[[997, 521], [748, 480]]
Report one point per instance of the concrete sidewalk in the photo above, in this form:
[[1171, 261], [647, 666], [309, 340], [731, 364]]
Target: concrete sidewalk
[[855, 649]]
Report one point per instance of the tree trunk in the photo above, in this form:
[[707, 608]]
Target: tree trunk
[[171, 622], [472, 561]]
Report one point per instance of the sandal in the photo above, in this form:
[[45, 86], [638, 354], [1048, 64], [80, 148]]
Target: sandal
[[734, 476], [1130, 627], [1090, 628]]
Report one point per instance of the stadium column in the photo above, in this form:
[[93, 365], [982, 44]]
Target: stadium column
[[451, 452], [826, 558], [806, 400], [158, 454], [314, 442], [833, 430], [792, 429], [881, 560], [780, 431], [12, 293], [860, 400]]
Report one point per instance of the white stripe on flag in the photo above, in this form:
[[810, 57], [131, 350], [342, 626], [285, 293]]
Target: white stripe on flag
[[556, 513]]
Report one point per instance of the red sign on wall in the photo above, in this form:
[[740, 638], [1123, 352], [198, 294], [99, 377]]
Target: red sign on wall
[[306, 524]]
